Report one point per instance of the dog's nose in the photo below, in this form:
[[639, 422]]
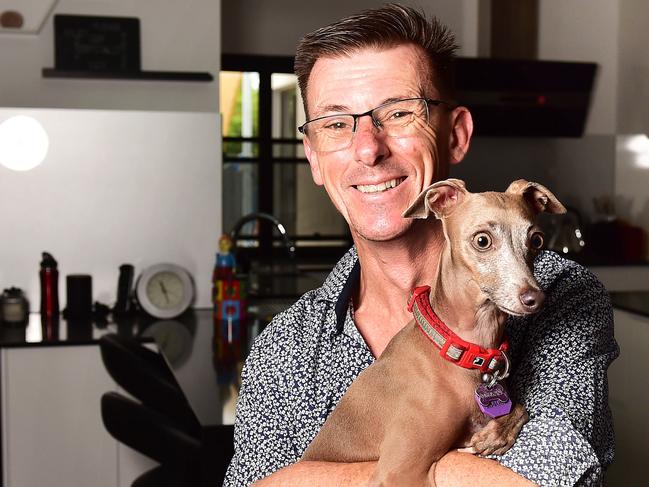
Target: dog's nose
[[532, 299]]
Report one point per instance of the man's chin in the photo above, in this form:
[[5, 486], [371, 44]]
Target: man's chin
[[381, 233]]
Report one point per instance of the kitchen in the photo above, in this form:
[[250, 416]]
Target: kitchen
[[107, 120]]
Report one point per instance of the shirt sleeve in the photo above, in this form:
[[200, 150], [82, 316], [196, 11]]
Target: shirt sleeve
[[561, 378], [262, 430]]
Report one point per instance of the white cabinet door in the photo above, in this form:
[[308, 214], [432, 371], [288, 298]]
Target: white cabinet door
[[628, 397], [52, 433]]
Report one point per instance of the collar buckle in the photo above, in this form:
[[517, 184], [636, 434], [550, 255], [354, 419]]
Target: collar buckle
[[418, 291]]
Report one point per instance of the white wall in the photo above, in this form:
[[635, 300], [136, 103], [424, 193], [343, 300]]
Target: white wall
[[116, 187], [585, 30], [632, 161], [275, 27], [175, 36], [633, 86], [493, 162], [123, 185]]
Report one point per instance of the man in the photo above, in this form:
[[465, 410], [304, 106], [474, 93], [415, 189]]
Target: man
[[373, 166]]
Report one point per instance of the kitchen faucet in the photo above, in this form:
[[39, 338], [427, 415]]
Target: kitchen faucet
[[288, 243]]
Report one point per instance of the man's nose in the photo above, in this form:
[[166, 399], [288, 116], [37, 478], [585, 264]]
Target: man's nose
[[369, 142]]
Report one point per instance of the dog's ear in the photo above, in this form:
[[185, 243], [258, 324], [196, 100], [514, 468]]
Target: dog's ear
[[440, 199], [537, 196]]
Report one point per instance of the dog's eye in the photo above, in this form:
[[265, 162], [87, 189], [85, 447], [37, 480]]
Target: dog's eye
[[536, 240], [482, 241]]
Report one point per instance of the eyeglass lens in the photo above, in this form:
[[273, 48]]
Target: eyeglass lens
[[395, 119]]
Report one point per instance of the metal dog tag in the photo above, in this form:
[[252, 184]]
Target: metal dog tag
[[493, 401]]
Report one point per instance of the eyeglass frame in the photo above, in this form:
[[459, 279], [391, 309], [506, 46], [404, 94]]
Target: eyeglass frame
[[370, 113]]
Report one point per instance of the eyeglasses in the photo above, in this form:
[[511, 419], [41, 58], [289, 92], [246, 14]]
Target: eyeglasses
[[396, 119]]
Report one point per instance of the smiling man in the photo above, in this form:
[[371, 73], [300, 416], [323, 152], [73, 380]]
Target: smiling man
[[381, 127]]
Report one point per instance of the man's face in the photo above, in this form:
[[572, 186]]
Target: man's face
[[355, 178]]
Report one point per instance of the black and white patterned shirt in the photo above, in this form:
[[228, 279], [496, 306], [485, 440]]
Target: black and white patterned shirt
[[305, 360]]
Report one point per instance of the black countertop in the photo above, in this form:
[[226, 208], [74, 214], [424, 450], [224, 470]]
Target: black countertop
[[206, 366]]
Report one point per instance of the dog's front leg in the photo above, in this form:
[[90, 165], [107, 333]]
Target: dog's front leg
[[414, 441], [499, 434]]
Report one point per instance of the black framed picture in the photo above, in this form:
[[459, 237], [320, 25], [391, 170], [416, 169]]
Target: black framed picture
[[102, 44]]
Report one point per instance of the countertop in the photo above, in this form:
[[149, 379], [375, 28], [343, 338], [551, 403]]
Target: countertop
[[205, 364], [206, 367]]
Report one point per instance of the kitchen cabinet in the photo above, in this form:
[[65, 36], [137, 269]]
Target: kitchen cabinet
[[628, 397], [52, 433]]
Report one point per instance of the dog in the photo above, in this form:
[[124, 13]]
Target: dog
[[435, 388]]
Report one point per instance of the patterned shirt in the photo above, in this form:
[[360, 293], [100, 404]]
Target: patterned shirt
[[305, 360]]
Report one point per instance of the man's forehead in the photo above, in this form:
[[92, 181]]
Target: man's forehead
[[380, 73]]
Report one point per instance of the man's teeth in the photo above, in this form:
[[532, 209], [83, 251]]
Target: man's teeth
[[375, 188]]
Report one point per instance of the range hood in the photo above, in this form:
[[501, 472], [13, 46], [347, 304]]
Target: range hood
[[525, 97]]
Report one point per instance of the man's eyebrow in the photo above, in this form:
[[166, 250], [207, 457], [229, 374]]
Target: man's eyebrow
[[321, 110], [394, 98]]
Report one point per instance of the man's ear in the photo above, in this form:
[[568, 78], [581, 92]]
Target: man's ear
[[312, 157], [537, 196], [460, 136], [440, 199]]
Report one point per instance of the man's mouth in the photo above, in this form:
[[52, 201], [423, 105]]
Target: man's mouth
[[377, 188]]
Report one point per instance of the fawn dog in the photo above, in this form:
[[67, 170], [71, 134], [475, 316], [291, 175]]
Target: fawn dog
[[431, 391]]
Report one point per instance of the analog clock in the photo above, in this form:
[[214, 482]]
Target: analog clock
[[165, 290]]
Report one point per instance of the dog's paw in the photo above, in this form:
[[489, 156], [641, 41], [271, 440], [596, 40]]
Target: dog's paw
[[499, 434]]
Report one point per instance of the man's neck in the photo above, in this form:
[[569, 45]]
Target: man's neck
[[389, 272]]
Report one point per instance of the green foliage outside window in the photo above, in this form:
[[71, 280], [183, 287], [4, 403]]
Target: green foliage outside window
[[234, 130]]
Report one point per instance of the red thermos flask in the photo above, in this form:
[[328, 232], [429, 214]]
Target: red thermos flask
[[49, 275]]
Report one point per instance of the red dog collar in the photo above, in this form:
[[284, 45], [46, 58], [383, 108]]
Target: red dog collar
[[452, 347]]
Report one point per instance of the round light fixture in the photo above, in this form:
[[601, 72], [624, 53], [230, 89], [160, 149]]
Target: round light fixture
[[23, 143]]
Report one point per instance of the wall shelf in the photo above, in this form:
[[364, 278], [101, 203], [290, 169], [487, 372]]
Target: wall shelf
[[137, 75]]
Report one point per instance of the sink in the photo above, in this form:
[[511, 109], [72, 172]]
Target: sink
[[286, 284], [272, 289]]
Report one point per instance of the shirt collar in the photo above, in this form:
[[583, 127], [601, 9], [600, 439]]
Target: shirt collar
[[340, 284], [345, 296]]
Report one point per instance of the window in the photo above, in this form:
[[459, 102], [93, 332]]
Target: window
[[264, 167]]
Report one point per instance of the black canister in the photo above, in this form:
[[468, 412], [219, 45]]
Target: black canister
[[49, 276], [79, 296]]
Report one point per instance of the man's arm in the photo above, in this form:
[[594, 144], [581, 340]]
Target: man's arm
[[320, 474], [561, 378], [263, 425], [453, 470]]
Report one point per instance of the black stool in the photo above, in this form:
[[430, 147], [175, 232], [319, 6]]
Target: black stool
[[163, 421]]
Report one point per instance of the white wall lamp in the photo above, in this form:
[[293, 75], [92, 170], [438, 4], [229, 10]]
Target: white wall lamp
[[23, 143]]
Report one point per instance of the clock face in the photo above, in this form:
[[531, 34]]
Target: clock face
[[165, 290]]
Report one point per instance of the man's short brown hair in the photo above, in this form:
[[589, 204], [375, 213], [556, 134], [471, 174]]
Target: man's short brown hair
[[380, 28]]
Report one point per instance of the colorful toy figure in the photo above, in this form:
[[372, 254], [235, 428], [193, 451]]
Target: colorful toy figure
[[225, 261], [229, 299]]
